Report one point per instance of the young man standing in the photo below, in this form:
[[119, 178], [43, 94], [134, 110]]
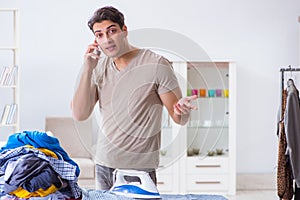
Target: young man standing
[[131, 85]]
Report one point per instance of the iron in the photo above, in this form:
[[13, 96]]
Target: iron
[[134, 184]]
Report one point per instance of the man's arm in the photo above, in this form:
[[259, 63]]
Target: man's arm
[[178, 108], [85, 96]]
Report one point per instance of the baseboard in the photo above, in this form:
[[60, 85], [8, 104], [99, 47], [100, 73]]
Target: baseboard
[[256, 181]]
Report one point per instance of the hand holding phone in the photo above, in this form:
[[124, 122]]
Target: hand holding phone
[[92, 55], [96, 51]]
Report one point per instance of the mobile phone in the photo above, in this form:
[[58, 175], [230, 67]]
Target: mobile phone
[[96, 51]]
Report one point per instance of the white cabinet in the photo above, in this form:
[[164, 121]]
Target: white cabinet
[[167, 179], [167, 173], [9, 69], [202, 154]]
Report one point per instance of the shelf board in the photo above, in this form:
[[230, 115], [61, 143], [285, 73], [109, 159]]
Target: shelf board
[[8, 125], [212, 98], [208, 127], [8, 48], [8, 86], [201, 156], [202, 127], [8, 9]]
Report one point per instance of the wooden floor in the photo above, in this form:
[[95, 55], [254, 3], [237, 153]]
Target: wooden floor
[[254, 195]]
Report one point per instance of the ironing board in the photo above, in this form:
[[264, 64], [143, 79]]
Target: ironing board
[[106, 195]]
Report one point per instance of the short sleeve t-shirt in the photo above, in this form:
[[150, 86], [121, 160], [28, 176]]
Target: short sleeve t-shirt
[[131, 110]]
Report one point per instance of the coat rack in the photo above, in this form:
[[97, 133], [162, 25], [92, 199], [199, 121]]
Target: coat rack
[[283, 70], [288, 69]]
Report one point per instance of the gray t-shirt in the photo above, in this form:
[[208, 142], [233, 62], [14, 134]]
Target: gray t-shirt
[[131, 110]]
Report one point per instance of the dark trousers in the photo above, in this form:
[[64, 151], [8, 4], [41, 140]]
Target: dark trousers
[[297, 193], [105, 178]]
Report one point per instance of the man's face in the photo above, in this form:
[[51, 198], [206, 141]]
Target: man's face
[[111, 38]]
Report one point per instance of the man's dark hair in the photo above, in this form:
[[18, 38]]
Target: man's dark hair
[[107, 13]]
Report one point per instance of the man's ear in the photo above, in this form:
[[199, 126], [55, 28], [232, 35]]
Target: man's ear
[[124, 29]]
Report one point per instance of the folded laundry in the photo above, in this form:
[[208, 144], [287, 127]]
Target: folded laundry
[[39, 139], [27, 167]]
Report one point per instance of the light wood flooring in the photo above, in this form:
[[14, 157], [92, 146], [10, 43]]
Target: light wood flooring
[[254, 195]]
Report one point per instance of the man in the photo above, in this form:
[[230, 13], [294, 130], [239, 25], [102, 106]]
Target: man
[[131, 85]]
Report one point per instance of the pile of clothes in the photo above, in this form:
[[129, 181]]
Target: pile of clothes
[[33, 165]]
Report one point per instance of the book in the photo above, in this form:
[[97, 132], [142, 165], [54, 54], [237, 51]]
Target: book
[[4, 75], [11, 113], [11, 76], [2, 115], [5, 114]]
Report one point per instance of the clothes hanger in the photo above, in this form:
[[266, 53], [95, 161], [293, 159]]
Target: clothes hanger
[[291, 78]]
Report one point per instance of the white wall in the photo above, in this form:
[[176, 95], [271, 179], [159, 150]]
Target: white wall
[[261, 36]]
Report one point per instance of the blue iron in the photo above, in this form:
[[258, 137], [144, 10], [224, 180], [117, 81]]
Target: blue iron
[[134, 184]]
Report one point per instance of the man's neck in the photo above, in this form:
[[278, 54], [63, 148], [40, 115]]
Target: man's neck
[[122, 61]]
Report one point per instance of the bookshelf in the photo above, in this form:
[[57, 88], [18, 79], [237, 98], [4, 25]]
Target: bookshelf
[[9, 72]]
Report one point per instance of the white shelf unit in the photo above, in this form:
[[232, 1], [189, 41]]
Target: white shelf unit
[[9, 57], [211, 127]]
